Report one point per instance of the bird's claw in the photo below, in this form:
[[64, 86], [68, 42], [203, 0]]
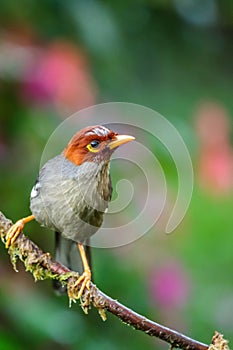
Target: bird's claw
[[85, 279], [14, 233]]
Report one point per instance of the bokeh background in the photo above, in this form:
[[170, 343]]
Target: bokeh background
[[57, 57]]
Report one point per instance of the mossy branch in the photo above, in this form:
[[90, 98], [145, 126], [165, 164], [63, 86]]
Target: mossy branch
[[42, 266]]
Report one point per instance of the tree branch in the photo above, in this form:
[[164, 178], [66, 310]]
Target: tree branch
[[42, 266]]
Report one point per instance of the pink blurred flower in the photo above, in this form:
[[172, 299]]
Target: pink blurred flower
[[60, 73], [215, 158], [169, 286]]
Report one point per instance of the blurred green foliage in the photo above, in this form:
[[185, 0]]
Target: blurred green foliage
[[160, 54]]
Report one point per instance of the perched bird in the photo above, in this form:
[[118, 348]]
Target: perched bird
[[71, 195]]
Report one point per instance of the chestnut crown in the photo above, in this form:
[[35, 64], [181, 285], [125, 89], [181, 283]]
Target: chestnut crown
[[94, 144]]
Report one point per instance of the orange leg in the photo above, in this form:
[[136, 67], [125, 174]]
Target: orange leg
[[16, 229], [85, 278]]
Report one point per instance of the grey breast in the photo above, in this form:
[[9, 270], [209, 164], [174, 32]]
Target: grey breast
[[68, 198]]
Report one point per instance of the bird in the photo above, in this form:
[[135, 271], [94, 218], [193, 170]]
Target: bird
[[71, 196]]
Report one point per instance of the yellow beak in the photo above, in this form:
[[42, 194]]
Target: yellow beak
[[120, 140]]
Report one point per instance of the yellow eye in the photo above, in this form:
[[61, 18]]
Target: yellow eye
[[93, 146]]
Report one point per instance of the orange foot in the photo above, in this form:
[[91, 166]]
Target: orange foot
[[15, 230], [85, 279]]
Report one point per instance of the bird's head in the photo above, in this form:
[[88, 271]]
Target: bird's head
[[94, 144]]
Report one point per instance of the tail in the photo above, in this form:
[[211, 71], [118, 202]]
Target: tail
[[66, 252]]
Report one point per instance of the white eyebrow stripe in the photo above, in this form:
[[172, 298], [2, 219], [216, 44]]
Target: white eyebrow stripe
[[99, 131]]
